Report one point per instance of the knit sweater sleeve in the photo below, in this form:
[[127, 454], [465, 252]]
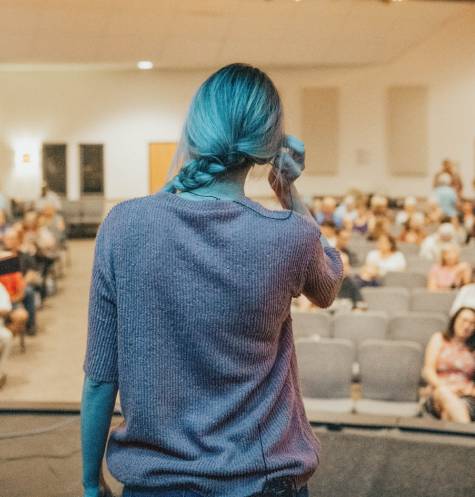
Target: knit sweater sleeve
[[100, 362], [324, 270]]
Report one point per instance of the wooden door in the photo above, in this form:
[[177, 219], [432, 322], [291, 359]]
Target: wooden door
[[160, 157]]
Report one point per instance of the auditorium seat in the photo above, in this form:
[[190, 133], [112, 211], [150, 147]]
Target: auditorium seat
[[390, 373], [408, 248], [406, 279], [418, 264], [416, 326], [360, 326], [391, 300], [424, 300], [306, 324], [325, 370]]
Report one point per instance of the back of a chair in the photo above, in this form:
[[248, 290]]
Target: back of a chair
[[423, 300], [406, 279], [467, 254], [325, 367], [307, 324], [408, 248], [360, 326], [418, 264], [390, 370], [391, 300], [416, 326]]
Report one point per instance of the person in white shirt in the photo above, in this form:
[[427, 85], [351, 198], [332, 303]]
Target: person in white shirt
[[6, 336], [410, 204], [464, 298], [386, 257], [431, 247]]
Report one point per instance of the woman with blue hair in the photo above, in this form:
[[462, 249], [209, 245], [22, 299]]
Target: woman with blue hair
[[189, 313]]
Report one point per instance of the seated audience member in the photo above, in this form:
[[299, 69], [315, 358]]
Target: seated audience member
[[433, 212], [432, 246], [446, 196], [31, 274], [29, 229], [347, 209], [448, 167], [386, 256], [413, 230], [47, 197], [343, 238], [3, 223], [449, 369], [6, 336], [327, 212], [349, 290], [15, 285], [403, 216], [54, 222], [328, 230], [360, 223], [449, 272], [368, 275], [468, 219]]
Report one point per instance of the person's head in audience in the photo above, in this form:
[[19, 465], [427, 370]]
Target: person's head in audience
[[446, 232], [380, 227], [410, 204], [48, 210], [386, 244], [328, 206], [12, 240], [461, 326], [316, 205], [379, 205], [328, 229], [343, 239], [450, 255], [30, 220]]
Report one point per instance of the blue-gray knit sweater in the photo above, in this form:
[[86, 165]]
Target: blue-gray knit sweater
[[189, 311]]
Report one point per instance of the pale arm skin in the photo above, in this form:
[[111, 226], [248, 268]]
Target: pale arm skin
[[97, 407]]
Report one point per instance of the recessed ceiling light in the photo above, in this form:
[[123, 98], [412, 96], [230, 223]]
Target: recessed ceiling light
[[144, 64]]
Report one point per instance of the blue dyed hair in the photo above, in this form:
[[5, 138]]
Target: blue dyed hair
[[235, 120]]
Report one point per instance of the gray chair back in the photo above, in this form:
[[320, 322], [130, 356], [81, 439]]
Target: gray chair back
[[390, 370], [307, 324], [406, 279], [360, 326], [423, 300], [416, 326], [325, 367], [391, 300]]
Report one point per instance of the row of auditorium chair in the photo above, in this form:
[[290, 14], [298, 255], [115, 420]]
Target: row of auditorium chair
[[359, 326], [394, 300], [389, 374]]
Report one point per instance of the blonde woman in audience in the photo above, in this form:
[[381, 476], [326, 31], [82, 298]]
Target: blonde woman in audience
[[433, 212], [386, 256], [414, 229], [449, 272], [449, 369]]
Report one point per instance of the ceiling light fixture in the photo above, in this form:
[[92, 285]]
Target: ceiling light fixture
[[144, 65]]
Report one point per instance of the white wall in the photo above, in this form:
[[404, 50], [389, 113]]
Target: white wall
[[127, 110]]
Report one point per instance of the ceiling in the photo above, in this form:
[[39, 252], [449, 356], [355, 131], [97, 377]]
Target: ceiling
[[184, 34]]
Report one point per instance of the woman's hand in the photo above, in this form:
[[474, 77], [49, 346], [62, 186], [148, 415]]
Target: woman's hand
[[288, 166]]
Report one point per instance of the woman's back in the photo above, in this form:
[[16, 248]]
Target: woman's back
[[190, 313]]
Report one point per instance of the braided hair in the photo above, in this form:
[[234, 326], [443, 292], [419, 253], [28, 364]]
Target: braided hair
[[235, 120]]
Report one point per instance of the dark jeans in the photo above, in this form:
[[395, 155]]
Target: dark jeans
[[303, 492]]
